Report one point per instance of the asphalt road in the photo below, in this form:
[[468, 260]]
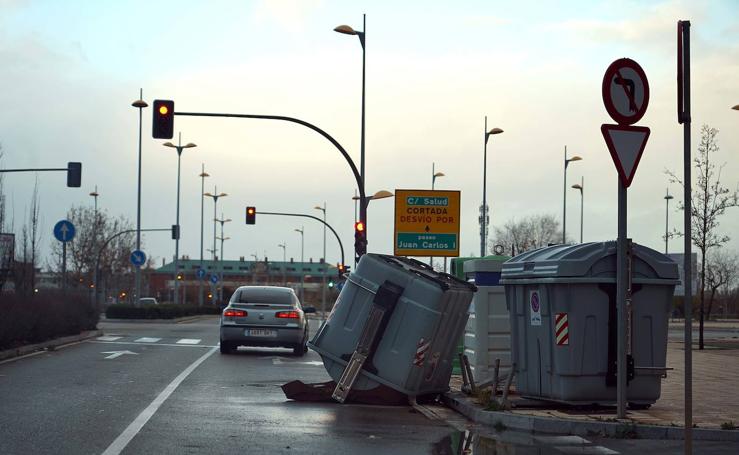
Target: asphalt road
[[165, 389]]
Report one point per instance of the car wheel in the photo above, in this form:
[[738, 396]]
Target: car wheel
[[299, 350], [226, 347]]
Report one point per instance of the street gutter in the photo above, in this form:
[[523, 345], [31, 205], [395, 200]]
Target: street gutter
[[48, 345], [539, 424]]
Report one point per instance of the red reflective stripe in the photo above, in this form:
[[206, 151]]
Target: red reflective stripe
[[565, 339], [561, 329]]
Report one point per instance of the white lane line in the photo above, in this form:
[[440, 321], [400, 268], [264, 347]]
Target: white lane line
[[587, 450], [108, 338], [133, 429], [561, 440], [189, 341], [155, 344], [147, 340]]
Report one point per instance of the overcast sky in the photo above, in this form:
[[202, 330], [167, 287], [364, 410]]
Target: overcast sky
[[71, 69]]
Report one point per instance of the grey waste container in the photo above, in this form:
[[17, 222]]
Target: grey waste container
[[562, 303], [487, 336], [415, 349]]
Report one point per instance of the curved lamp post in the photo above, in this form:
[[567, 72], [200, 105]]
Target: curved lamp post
[[302, 251], [284, 265], [179, 149], [483, 225], [325, 264], [139, 104], [668, 197], [564, 195], [581, 186]]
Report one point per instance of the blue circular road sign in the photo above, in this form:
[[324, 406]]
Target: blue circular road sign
[[200, 273], [138, 258], [213, 278], [64, 231]]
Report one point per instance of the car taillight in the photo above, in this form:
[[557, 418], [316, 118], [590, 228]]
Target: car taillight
[[235, 313], [288, 315]]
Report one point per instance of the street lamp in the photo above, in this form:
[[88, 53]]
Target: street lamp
[[736, 108], [284, 265], [179, 147], [434, 176], [139, 104], [484, 227], [323, 275], [347, 30], [95, 195], [564, 195], [220, 258], [202, 176], [302, 250], [581, 186], [668, 196], [215, 195]]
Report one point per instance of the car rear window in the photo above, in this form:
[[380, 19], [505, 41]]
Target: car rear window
[[265, 296]]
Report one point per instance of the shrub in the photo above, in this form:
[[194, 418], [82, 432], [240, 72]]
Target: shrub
[[43, 316], [163, 311]]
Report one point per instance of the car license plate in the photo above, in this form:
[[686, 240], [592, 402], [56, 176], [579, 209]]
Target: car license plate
[[260, 333]]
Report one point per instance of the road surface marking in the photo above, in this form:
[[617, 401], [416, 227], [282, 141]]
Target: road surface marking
[[120, 443], [116, 354], [561, 440], [155, 344], [147, 340], [108, 338], [587, 450], [189, 341]]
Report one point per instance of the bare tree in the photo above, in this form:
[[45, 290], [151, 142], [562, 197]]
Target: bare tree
[[529, 233], [34, 233], [709, 201], [721, 271]]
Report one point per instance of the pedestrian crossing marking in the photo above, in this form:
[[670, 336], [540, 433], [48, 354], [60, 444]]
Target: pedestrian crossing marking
[[147, 340], [189, 341], [108, 338]]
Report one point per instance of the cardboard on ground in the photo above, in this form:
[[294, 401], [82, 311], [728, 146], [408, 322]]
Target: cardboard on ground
[[426, 223]]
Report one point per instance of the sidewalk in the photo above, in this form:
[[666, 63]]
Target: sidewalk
[[715, 386]]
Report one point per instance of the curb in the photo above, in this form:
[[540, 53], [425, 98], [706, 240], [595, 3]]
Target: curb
[[48, 345], [538, 424]]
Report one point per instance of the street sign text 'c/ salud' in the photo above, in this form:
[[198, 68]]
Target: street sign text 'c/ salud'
[[426, 223]]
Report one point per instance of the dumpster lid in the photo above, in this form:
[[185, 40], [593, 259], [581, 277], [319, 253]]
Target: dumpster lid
[[486, 264], [587, 260]]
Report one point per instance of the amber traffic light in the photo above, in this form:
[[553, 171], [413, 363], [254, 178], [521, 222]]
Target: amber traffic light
[[162, 125], [251, 215]]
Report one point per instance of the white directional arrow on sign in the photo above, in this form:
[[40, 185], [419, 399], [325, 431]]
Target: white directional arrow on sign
[[626, 144], [116, 354]]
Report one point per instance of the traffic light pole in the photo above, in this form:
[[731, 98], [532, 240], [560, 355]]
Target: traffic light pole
[[357, 176], [341, 246]]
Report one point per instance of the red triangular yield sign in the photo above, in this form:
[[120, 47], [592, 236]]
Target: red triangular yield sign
[[626, 144]]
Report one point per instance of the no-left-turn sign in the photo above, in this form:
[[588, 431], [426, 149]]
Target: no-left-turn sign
[[625, 91]]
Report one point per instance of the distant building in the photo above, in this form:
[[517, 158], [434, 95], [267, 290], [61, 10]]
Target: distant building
[[240, 273]]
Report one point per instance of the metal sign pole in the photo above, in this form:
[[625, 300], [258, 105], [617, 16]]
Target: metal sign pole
[[621, 284], [64, 266], [684, 118]]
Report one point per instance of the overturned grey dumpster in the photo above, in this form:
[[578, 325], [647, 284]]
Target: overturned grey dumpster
[[562, 303], [396, 323], [487, 336]]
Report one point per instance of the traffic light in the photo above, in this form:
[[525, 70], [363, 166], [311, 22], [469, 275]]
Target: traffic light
[[74, 174], [360, 238], [342, 269], [331, 284], [251, 215], [175, 232], [162, 124]]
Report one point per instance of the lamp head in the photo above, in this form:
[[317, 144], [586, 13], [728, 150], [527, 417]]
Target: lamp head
[[495, 131], [669, 196], [575, 158], [139, 104], [577, 186], [345, 29], [382, 194], [439, 174], [189, 145], [169, 144], [736, 108]]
